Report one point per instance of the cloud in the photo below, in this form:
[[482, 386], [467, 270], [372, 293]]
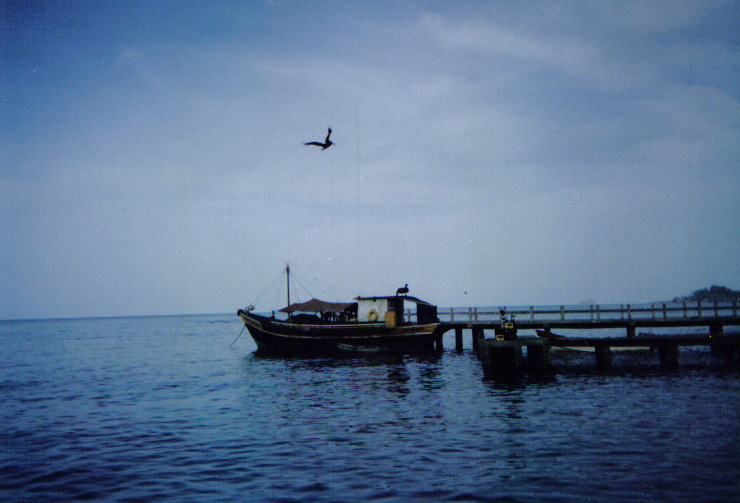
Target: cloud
[[568, 54], [520, 154]]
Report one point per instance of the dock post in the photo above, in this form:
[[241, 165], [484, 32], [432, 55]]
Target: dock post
[[603, 356], [668, 352], [458, 339], [630, 331]]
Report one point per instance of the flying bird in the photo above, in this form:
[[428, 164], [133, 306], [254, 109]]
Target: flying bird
[[403, 290], [327, 143]]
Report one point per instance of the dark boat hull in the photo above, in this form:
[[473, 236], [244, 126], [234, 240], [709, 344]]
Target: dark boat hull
[[280, 337]]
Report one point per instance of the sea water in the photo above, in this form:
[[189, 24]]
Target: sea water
[[164, 409]]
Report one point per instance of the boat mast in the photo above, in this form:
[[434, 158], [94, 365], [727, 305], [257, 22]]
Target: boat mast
[[287, 273]]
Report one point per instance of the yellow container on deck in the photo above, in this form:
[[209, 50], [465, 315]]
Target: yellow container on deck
[[390, 319]]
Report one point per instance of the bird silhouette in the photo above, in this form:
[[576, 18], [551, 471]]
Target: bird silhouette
[[403, 290], [327, 143]]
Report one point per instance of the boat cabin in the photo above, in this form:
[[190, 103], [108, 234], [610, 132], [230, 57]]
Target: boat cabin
[[391, 310], [388, 310]]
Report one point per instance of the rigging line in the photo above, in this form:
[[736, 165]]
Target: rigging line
[[277, 298], [358, 175], [330, 289], [265, 291], [313, 283], [324, 289], [302, 285], [307, 285], [575, 196]]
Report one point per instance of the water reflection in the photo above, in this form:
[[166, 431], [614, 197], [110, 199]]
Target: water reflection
[[398, 378]]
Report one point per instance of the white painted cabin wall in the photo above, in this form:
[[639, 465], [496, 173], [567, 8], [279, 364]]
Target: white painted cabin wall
[[364, 306]]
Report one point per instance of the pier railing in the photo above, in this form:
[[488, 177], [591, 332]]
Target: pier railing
[[665, 311]]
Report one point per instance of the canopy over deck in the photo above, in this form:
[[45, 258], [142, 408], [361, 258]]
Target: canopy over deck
[[317, 306]]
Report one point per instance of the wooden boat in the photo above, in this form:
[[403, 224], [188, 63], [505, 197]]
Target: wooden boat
[[370, 324], [546, 334]]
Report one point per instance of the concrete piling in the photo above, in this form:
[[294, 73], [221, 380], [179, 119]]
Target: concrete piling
[[538, 355], [504, 358], [438, 344], [726, 349], [478, 336], [668, 353], [603, 356], [458, 339]]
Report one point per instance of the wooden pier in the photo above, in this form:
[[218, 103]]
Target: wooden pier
[[630, 317], [503, 352]]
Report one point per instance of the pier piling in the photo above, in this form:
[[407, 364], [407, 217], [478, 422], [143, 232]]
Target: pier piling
[[630, 331], [603, 356], [668, 352], [439, 344], [727, 350]]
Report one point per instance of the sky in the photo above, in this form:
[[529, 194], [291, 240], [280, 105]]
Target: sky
[[487, 153]]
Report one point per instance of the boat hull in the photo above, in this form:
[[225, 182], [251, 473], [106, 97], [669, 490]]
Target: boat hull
[[280, 337]]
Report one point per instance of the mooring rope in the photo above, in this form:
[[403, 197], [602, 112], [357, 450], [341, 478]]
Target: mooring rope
[[237, 337]]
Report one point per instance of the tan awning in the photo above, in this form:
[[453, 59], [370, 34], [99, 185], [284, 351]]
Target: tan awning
[[316, 306]]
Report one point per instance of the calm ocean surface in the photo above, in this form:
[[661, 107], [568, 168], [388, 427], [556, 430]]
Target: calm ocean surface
[[162, 409]]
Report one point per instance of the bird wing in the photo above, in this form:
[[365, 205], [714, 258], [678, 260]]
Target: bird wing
[[327, 136], [314, 143]]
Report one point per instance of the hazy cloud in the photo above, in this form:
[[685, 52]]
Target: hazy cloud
[[153, 159]]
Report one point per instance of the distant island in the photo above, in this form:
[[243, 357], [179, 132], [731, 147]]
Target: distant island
[[712, 294]]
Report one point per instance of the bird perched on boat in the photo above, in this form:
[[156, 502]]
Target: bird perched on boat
[[403, 290], [327, 143]]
